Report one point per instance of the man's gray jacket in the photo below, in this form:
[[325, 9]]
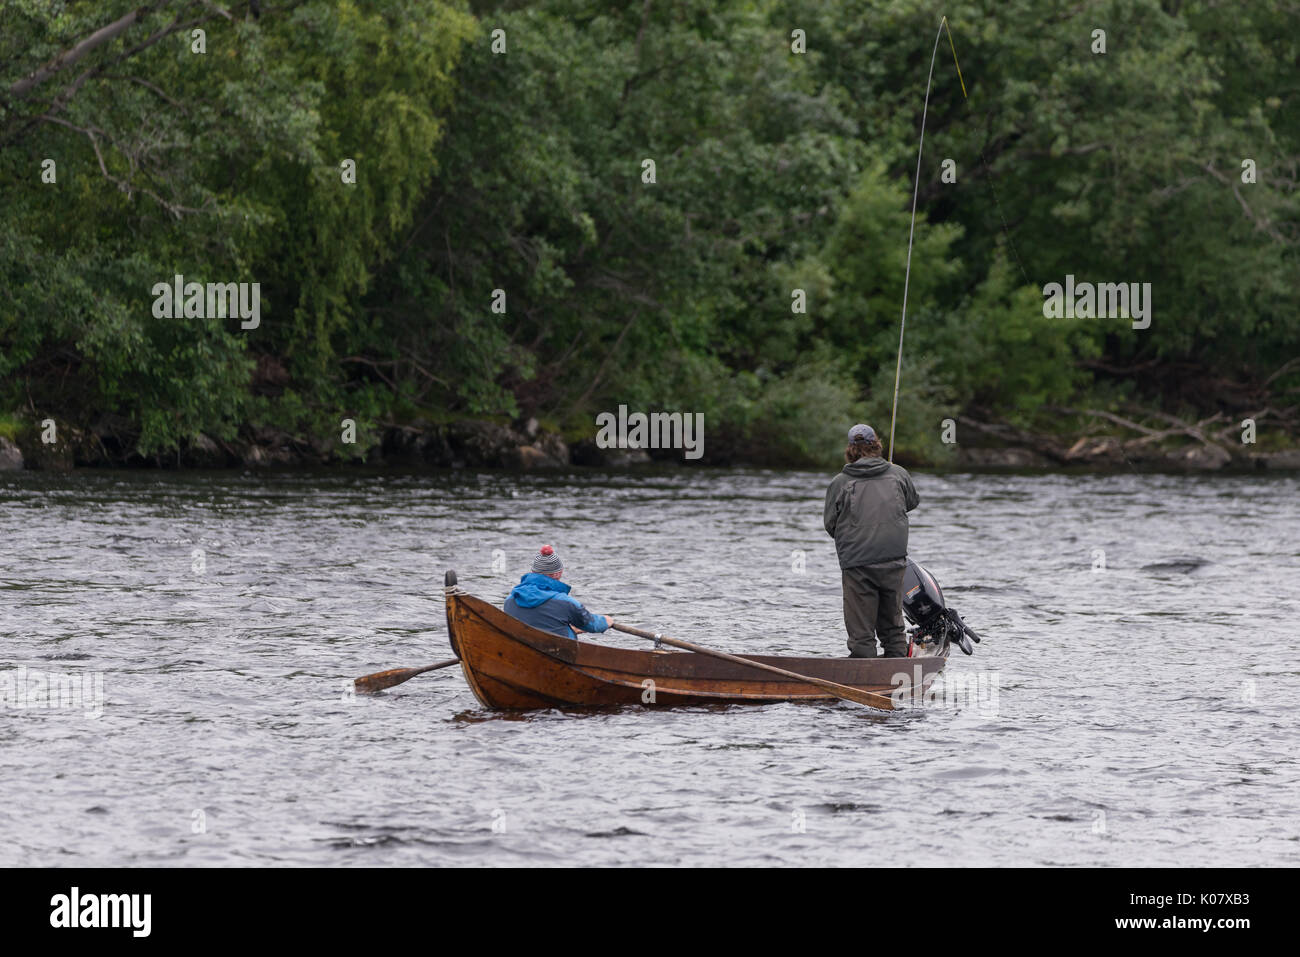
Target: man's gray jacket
[[866, 512]]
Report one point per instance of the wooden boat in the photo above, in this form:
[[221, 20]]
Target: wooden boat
[[511, 665]]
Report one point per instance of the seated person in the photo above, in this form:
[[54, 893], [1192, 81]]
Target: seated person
[[543, 601]]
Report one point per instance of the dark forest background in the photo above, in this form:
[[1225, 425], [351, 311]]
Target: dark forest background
[[523, 171]]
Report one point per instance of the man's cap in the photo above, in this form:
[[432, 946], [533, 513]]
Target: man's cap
[[547, 562], [862, 433]]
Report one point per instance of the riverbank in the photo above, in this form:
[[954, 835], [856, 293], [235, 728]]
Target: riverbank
[[527, 447]]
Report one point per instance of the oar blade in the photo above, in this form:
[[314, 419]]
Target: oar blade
[[869, 698], [380, 680], [371, 684]]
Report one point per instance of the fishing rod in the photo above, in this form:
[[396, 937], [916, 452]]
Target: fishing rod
[[916, 188]]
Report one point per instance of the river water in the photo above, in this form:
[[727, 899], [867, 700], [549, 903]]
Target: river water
[[1134, 700]]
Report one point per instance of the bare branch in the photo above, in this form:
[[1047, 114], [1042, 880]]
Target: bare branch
[[68, 57], [147, 85], [221, 10], [93, 133], [1285, 368], [1262, 223]]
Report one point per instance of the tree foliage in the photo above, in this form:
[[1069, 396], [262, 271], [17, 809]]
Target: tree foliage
[[503, 253]]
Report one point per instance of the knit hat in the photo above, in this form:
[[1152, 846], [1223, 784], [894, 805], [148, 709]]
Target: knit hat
[[547, 562], [862, 433]]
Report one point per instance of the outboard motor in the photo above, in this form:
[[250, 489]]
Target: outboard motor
[[924, 607]]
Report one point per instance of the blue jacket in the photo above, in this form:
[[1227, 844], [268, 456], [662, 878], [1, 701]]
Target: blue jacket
[[545, 603]]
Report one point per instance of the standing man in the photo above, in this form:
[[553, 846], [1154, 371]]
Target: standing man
[[543, 601], [866, 514]]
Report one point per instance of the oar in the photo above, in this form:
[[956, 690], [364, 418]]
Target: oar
[[395, 676], [869, 698]]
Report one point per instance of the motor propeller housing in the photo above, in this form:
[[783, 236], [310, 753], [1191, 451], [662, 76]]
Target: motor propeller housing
[[925, 608]]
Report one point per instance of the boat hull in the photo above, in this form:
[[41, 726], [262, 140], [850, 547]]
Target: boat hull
[[510, 665]]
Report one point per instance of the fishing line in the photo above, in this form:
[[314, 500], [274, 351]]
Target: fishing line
[[916, 188], [997, 202]]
